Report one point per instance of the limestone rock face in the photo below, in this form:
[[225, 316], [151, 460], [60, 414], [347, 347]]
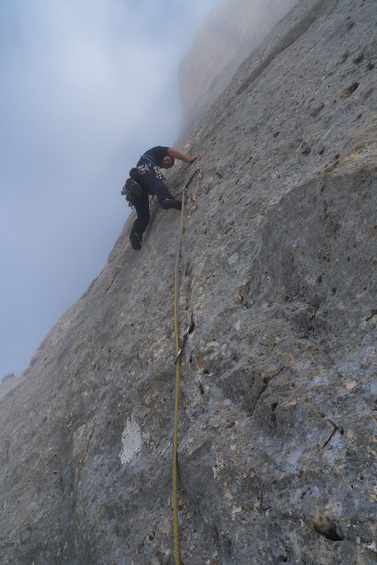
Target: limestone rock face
[[224, 40], [277, 426]]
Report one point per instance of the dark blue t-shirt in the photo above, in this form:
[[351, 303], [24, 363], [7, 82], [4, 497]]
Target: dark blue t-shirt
[[155, 156]]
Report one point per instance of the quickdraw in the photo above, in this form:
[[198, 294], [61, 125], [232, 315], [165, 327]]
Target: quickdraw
[[190, 328]]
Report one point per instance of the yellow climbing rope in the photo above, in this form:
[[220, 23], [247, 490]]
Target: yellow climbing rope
[[178, 352], [177, 383]]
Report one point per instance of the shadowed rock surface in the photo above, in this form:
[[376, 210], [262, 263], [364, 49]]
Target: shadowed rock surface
[[277, 450]]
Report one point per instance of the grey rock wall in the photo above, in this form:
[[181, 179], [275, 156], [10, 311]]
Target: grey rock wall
[[277, 429]]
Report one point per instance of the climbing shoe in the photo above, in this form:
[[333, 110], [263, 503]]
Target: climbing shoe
[[135, 239], [171, 203]]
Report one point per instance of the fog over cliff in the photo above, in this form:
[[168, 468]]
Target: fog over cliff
[[77, 110], [278, 393], [225, 38]]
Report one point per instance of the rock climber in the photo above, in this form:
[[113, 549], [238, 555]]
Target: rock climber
[[149, 176]]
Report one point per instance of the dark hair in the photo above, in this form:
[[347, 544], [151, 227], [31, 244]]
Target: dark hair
[[172, 162]]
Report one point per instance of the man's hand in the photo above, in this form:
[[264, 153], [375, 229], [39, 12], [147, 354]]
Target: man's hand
[[177, 155]]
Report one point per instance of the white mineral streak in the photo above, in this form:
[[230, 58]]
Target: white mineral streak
[[131, 440]]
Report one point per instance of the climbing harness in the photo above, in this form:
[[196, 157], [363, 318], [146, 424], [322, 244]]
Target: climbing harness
[[179, 348], [131, 190]]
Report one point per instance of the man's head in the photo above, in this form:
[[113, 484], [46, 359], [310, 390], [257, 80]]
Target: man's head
[[167, 162]]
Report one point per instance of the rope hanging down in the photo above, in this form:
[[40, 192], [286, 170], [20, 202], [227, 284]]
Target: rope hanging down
[[178, 349]]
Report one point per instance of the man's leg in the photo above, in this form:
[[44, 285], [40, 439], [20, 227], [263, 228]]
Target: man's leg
[[157, 186], [140, 224]]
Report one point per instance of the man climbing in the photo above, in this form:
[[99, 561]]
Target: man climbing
[[149, 176]]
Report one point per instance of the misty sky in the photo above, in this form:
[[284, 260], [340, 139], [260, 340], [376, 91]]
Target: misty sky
[[86, 87]]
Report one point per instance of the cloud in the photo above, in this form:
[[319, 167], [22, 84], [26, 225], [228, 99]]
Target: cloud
[[87, 86]]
